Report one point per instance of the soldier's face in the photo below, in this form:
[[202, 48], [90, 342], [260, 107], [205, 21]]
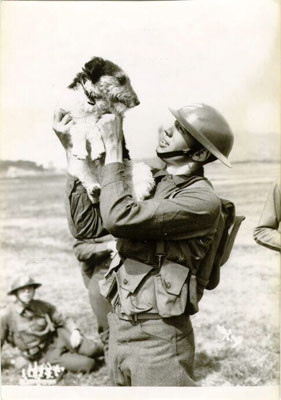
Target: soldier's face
[[171, 139], [174, 138], [25, 294]]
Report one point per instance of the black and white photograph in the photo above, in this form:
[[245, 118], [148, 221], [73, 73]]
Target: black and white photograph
[[140, 204]]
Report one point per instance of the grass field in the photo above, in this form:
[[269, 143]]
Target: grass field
[[237, 328]]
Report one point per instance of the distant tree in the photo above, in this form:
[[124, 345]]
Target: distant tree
[[22, 164]]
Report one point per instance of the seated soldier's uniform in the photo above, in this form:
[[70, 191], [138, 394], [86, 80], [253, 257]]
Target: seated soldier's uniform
[[41, 333]]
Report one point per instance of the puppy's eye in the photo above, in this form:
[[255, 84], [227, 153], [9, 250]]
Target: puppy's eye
[[122, 80]]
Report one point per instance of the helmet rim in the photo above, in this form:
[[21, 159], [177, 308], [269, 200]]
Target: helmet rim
[[16, 285]]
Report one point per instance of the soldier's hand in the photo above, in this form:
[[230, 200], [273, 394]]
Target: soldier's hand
[[75, 338], [62, 122], [110, 126]]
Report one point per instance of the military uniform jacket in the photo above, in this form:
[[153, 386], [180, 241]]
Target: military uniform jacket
[[31, 326], [183, 212]]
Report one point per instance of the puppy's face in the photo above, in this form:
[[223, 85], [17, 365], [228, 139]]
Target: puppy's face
[[109, 86]]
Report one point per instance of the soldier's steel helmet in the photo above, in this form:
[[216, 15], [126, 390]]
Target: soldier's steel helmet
[[21, 282], [208, 127]]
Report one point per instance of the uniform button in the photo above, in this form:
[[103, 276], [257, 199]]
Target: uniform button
[[168, 285], [125, 281], [197, 258]]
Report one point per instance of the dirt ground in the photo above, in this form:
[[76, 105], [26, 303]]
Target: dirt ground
[[237, 328]]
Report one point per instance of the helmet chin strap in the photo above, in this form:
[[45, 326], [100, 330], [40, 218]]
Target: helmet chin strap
[[170, 154]]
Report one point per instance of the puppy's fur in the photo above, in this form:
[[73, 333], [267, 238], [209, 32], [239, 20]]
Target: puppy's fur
[[101, 88]]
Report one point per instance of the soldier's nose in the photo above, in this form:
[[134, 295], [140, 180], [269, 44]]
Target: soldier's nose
[[168, 132]]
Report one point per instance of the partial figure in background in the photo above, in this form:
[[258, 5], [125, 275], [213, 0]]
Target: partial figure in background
[[95, 256], [43, 334], [268, 231]]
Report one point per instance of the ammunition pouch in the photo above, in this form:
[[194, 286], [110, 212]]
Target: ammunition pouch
[[140, 288]]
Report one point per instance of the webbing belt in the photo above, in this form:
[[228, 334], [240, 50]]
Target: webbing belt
[[135, 317]]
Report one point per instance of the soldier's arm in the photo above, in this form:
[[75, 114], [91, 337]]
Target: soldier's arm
[[61, 320], [92, 251], [84, 219], [268, 231], [193, 212]]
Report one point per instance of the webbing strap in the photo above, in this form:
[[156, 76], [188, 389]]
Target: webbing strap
[[160, 251]]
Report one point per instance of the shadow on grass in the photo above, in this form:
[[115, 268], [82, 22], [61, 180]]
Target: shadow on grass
[[206, 364]]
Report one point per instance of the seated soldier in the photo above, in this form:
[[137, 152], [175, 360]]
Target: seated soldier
[[42, 334]]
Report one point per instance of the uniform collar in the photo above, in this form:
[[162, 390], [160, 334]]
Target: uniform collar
[[180, 179], [20, 308]]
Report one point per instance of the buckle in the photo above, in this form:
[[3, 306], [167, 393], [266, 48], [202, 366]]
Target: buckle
[[135, 318]]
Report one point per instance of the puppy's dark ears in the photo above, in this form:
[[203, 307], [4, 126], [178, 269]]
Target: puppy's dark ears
[[94, 68]]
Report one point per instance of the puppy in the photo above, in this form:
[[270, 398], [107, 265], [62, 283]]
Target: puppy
[[100, 88]]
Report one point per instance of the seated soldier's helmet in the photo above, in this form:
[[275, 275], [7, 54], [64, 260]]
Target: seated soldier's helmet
[[208, 127], [21, 282]]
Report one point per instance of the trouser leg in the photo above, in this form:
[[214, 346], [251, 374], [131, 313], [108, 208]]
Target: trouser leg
[[75, 360], [151, 352], [91, 275], [100, 305]]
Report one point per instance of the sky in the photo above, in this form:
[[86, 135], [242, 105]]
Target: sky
[[225, 53]]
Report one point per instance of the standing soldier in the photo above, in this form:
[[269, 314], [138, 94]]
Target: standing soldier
[[154, 281], [41, 333], [95, 256]]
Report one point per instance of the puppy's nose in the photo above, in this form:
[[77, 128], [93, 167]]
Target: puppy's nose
[[137, 102]]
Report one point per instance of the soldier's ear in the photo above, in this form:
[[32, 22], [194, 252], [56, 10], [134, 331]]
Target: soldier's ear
[[94, 68], [201, 155]]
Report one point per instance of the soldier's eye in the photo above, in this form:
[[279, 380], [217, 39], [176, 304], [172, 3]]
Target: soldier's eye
[[122, 80]]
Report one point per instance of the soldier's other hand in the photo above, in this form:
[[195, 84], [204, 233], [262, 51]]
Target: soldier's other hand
[[62, 122], [75, 338]]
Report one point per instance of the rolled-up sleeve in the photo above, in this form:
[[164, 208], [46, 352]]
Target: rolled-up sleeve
[[193, 212], [83, 216]]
